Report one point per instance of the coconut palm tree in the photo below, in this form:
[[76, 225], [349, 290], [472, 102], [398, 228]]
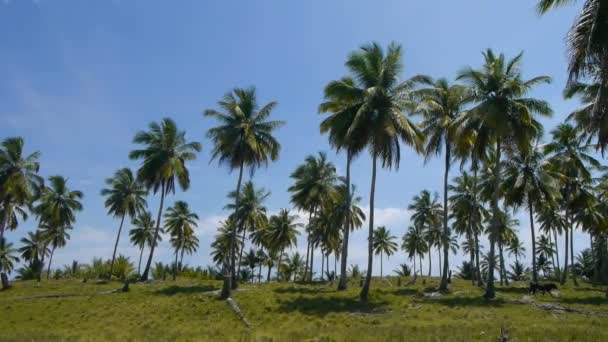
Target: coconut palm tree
[[7, 261], [251, 215], [142, 233], [503, 115], [379, 121], [414, 244], [56, 236], [384, 244], [18, 180], [243, 139], [342, 108], [33, 250], [220, 247], [125, 197], [530, 180], [251, 260], [426, 215], [314, 184], [261, 256], [516, 248], [587, 45], [552, 221], [292, 266], [283, 232], [180, 223], [468, 213], [164, 154], [440, 103]]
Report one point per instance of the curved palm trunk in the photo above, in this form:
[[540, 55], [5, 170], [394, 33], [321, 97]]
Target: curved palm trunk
[[342, 284], [122, 220], [370, 248], [533, 234], [490, 291], [230, 282], [556, 253], [241, 252], [181, 260], [175, 265], [144, 276], [48, 272], [141, 253], [446, 265]]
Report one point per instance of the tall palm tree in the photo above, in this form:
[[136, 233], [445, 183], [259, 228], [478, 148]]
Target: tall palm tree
[[220, 247], [8, 259], [125, 196], [441, 103], [530, 181], [261, 256], [414, 244], [251, 260], [243, 139], [164, 154], [283, 232], [384, 243], [516, 248], [502, 115], [380, 100], [33, 250], [342, 108], [56, 236], [180, 223], [251, 214], [569, 154], [314, 184], [142, 233], [552, 221], [426, 215], [588, 58], [468, 214], [18, 180]]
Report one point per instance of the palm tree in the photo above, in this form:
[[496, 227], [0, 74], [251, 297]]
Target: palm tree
[[380, 100], [180, 223], [468, 214], [441, 103], [292, 266], [552, 220], [414, 244], [314, 184], [569, 154], [283, 232], [588, 50], [164, 155], [545, 247], [516, 248], [33, 250], [403, 270], [142, 233], [261, 256], [384, 243], [18, 179], [502, 115], [251, 215], [251, 260], [427, 213], [343, 108], [243, 139], [125, 196], [56, 208], [220, 247], [56, 236], [530, 181], [7, 261]]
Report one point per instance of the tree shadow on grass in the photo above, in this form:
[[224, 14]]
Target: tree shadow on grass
[[321, 306], [406, 292], [585, 301], [513, 289], [302, 290], [463, 301], [174, 289], [589, 289]]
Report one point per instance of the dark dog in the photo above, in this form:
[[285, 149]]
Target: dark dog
[[544, 288]]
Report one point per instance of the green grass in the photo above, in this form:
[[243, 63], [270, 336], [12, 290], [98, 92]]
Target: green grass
[[286, 311]]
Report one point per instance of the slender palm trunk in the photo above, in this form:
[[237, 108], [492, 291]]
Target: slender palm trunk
[[370, 247], [41, 266], [490, 291], [477, 267], [420, 260], [279, 265], [141, 253], [48, 271], [472, 261], [305, 276], [335, 265], [342, 284], [565, 273], [322, 266], [446, 264], [312, 258], [554, 243], [381, 257], [439, 259], [230, 282], [260, 272], [430, 261], [414, 264], [122, 220], [503, 270], [175, 266], [556, 253], [144, 276], [241, 252], [572, 256], [4, 222], [533, 235], [268, 276]]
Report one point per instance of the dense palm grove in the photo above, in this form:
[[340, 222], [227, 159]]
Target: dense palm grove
[[497, 161]]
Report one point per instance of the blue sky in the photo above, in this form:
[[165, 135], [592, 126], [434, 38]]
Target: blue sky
[[80, 78]]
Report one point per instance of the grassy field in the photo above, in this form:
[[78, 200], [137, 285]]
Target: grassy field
[[186, 310]]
